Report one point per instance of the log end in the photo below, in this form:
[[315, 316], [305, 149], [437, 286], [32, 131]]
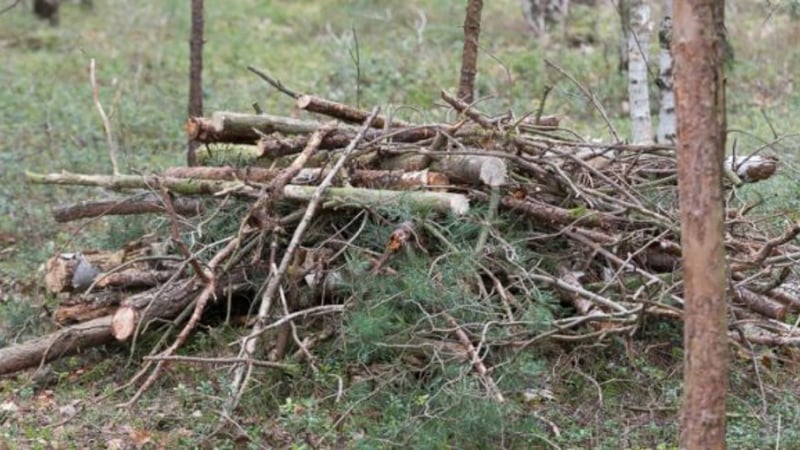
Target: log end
[[193, 128], [459, 204], [123, 324], [58, 277], [303, 101], [493, 172]]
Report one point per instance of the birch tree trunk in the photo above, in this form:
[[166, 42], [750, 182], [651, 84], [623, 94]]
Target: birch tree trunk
[[666, 113], [698, 47], [638, 95]]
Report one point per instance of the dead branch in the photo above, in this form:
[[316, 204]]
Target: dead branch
[[55, 345], [125, 206]]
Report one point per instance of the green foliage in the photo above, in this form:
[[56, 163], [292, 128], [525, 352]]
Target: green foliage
[[18, 319]]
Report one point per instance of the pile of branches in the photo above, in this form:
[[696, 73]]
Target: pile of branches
[[601, 218]]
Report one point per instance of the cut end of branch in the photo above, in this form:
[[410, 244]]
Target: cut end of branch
[[494, 172], [123, 324]]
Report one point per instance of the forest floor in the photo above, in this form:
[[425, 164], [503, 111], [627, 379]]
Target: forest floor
[[619, 393]]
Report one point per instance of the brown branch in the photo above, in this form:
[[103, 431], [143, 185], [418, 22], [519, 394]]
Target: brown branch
[[343, 112], [589, 96], [477, 362], [249, 343], [463, 107], [374, 179], [201, 360], [275, 83], [127, 206], [65, 341]]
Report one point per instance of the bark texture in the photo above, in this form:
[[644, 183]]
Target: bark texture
[[469, 57], [666, 113], [638, 93], [698, 46], [195, 74]]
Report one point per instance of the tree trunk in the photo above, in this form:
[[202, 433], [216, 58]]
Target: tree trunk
[[195, 75], [624, 13], [666, 112], [469, 57], [638, 93], [698, 47]]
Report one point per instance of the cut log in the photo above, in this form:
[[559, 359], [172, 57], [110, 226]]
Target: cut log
[[437, 201], [153, 304], [761, 304], [55, 345], [343, 112], [183, 186], [386, 179], [277, 146], [167, 302], [752, 168], [126, 206], [239, 128], [554, 217], [791, 302], [61, 268], [78, 308], [443, 202], [473, 169]]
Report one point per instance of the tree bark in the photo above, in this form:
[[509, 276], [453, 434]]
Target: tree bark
[[666, 113], [444, 202], [624, 13], [344, 112], [469, 56], [373, 179], [55, 345], [638, 93], [698, 45], [124, 206], [237, 128], [195, 75]]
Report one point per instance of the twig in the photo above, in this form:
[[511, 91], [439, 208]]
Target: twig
[[202, 360], [465, 108], [209, 278], [589, 96], [480, 367], [112, 145], [275, 83], [249, 343]]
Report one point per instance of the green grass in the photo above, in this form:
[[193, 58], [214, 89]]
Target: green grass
[[614, 395]]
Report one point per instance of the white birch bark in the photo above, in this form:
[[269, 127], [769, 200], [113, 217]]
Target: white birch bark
[[667, 123], [641, 27]]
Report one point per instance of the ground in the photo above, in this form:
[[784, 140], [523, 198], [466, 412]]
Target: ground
[[619, 393]]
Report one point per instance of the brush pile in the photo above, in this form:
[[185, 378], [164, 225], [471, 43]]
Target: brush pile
[[303, 214]]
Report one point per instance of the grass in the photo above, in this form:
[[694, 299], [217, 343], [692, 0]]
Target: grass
[[618, 394]]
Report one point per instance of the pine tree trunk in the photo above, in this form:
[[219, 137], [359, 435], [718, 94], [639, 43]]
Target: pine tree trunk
[[195, 75], [469, 56], [698, 48]]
